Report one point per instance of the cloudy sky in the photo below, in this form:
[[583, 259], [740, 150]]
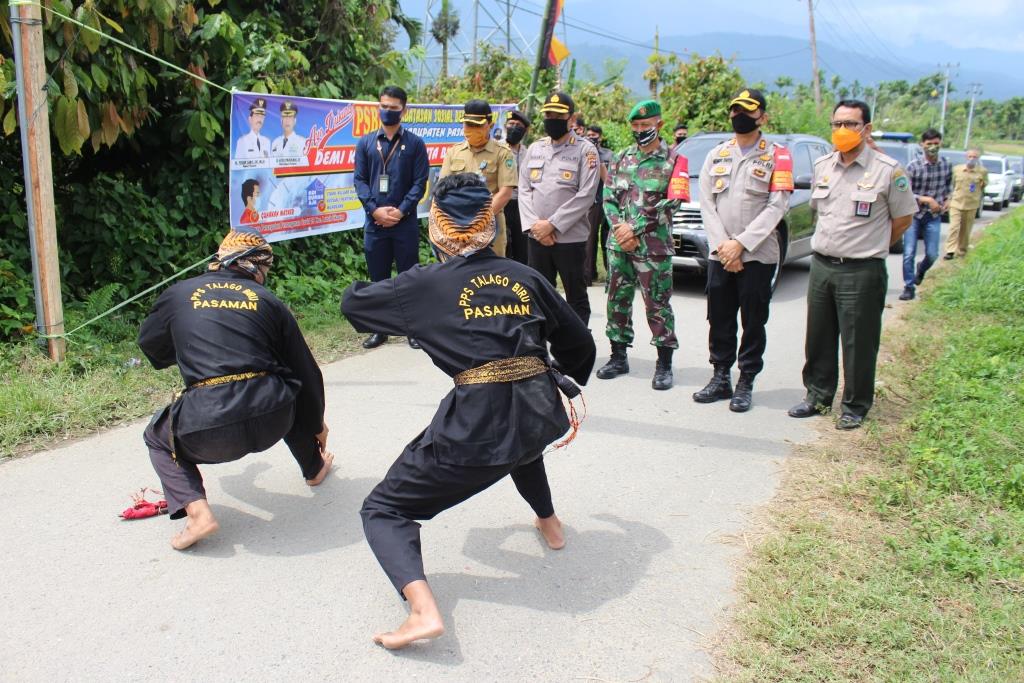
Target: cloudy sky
[[994, 24]]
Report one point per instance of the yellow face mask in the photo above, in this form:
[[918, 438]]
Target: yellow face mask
[[845, 139], [477, 135]]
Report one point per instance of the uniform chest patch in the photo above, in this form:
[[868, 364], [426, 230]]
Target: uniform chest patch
[[535, 174], [567, 175], [722, 170], [759, 172]]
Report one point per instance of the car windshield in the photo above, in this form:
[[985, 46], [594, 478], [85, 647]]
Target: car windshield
[[993, 165], [696, 149], [954, 156]]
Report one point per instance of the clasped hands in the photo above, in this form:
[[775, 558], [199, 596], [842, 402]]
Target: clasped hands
[[625, 236], [730, 253], [387, 216], [544, 232]]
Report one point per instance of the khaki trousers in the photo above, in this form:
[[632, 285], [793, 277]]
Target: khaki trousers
[[961, 221], [500, 239]]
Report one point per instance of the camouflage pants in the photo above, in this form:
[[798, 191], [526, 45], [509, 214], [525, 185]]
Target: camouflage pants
[[654, 275]]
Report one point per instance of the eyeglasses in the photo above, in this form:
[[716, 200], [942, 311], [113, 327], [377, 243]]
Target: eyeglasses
[[850, 125]]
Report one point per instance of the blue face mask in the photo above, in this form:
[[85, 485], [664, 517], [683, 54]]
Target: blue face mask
[[390, 117]]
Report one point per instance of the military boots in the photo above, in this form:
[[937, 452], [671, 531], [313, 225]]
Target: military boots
[[663, 370], [719, 388], [740, 402], [616, 365]]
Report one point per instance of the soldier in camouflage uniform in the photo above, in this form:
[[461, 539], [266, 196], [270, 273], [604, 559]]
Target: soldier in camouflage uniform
[[640, 244]]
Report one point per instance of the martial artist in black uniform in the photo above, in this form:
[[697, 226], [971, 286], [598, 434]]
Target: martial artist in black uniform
[[487, 322], [250, 379]]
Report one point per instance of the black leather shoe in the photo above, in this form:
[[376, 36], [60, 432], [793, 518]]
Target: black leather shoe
[[413, 343], [804, 409], [374, 340], [919, 278], [617, 365], [908, 294], [849, 421], [741, 398], [718, 388], [949, 256]]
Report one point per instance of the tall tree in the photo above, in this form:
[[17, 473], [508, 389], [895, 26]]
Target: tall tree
[[445, 27]]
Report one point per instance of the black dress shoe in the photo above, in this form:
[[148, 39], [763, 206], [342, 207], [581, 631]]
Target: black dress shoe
[[413, 343], [849, 421], [949, 256], [804, 409], [908, 294], [374, 340]]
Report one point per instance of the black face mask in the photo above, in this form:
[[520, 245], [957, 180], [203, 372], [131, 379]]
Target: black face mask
[[742, 124], [515, 134], [680, 138], [645, 137], [556, 128]]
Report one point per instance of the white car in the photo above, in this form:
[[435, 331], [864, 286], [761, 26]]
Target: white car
[[1001, 178]]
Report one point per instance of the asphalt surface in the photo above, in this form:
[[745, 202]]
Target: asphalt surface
[[655, 492]]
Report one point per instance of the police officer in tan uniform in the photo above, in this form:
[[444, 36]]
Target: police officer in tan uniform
[[557, 185], [742, 201], [864, 204], [482, 154], [969, 181]]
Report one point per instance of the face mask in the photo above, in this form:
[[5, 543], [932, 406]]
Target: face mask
[[477, 136], [680, 138], [556, 128], [645, 137], [595, 141], [971, 163], [931, 150], [390, 117], [741, 123], [845, 139], [514, 135]]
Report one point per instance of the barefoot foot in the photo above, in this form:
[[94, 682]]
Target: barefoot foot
[[328, 461], [416, 627], [201, 523], [551, 529]]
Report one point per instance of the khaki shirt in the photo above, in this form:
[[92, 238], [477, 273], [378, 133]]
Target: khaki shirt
[[495, 162], [968, 186], [558, 183], [736, 201], [519, 154], [856, 204]]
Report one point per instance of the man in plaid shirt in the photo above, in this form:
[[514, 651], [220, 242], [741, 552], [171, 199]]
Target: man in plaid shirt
[[931, 179]]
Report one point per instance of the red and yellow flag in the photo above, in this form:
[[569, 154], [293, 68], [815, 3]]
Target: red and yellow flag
[[554, 49]]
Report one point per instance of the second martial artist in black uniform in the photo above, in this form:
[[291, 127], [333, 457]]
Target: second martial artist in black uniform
[[487, 322], [250, 379]]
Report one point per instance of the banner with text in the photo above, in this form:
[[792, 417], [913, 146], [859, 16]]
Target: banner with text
[[292, 159]]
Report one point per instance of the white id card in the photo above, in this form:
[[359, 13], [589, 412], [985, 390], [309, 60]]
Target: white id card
[[384, 183]]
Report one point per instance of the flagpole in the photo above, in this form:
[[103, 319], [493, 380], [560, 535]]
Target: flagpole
[[542, 48]]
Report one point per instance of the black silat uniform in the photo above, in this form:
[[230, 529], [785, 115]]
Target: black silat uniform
[[225, 325], [466, 312]]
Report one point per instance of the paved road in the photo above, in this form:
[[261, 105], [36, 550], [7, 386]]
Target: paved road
[[655, 492]]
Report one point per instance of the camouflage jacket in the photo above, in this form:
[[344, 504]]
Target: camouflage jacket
[[635, 193]]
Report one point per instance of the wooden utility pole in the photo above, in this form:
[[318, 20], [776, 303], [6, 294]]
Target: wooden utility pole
[[814, 60], [34, 122]]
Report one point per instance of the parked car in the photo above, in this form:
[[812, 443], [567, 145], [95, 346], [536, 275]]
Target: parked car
[[793, 233], [1001, 177], [900, 146], [1017, 164]]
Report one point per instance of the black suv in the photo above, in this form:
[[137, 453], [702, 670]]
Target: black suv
[[795, 230]]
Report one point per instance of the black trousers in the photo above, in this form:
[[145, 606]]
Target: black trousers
[[596, 240], [383, 247], [179, 476], [516, 246], [748, 293], [419, 487], [564, 261]]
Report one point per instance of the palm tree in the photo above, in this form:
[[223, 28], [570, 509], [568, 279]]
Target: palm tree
[[444, 27]]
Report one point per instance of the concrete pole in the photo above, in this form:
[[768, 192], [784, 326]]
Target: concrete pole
[[814, 60], [975, 91], [34, 123]]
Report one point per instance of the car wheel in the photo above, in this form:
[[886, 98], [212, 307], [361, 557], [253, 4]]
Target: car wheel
[[782, 236], [1006, 203]]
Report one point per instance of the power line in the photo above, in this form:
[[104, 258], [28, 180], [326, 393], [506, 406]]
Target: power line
[[870, 52]]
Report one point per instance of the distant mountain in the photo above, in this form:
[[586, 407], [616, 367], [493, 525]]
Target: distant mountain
[[765, 58]]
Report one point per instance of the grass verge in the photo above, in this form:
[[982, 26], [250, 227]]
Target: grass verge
[[897, 554], [103, 382]]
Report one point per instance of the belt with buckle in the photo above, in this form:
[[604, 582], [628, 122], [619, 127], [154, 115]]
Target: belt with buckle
[[840, 260]]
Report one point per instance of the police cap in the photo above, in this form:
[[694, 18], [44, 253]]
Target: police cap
[[288, 109], [749, 99], [558, 103], [519, 116], [645, 109], [477, 112], [258, 106]]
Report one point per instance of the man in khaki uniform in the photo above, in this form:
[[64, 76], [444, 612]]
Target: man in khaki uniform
[[969, 181], [557, 184], [481, 154], [743, 197], [864, 204]]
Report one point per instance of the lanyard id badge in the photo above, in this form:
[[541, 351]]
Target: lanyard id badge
[[383, 183]]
